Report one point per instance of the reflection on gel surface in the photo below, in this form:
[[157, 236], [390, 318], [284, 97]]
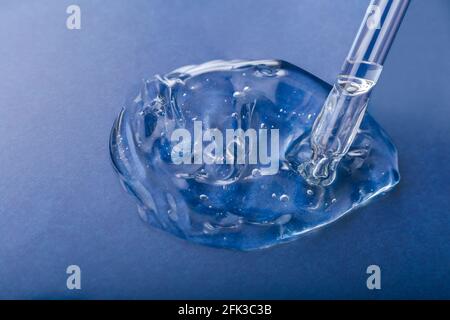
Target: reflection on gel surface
[[212, 152]]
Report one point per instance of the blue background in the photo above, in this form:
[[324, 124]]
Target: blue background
[[61, 202]]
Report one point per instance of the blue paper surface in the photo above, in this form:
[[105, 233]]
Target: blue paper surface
[[61, 202]]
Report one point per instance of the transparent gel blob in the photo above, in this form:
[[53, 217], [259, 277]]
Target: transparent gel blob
[[241, 206]]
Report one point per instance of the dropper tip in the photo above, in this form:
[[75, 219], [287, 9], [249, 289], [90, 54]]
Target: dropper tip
[[320, 171]]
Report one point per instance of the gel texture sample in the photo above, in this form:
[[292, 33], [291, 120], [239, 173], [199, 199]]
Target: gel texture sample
[[235, 205]]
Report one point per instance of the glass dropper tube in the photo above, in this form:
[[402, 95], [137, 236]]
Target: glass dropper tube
[[337, 124]]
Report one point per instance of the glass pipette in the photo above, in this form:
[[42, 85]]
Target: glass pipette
[[338, 122]]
